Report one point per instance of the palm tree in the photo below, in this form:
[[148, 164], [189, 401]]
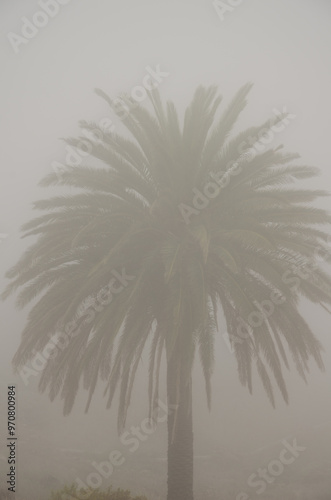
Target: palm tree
[[135, 212]]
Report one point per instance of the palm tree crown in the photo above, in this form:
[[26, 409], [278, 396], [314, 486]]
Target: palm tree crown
[[131, 212]]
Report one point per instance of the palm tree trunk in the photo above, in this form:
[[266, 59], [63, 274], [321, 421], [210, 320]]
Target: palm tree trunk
[[180, 434]]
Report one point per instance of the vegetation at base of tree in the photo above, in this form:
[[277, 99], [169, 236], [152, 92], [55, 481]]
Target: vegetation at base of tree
[[71, 493]]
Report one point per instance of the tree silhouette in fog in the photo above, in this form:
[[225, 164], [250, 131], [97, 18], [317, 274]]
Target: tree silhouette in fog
[[200, 234]]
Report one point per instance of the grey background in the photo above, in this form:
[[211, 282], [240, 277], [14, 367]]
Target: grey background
[[280, 45]]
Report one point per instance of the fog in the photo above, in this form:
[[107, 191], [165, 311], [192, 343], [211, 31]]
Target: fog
[[48, 86]]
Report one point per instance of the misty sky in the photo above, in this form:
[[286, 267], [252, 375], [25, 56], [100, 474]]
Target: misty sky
[[281, 46]]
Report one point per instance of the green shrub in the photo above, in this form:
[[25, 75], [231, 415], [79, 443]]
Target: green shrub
[[71, 493]]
